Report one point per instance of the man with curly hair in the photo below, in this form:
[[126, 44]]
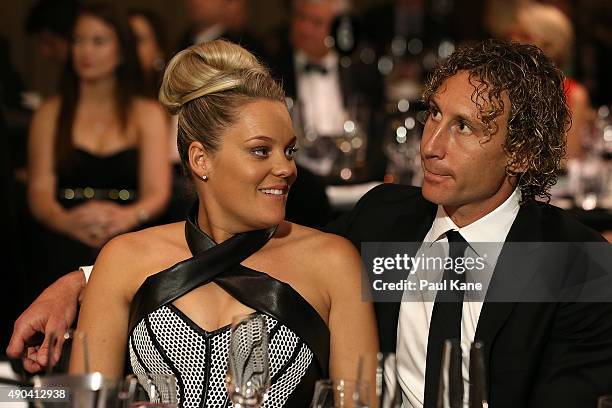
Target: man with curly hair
[[493, 141]]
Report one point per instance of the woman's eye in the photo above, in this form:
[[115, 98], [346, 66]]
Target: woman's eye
[[291, 151], [99, 41], [260, 151]]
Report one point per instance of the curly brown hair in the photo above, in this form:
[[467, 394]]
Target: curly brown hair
[[538, 117]]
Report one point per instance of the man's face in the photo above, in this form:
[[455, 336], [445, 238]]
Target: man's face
[[464, 169], [205, 13], [53, 47], [310, 24]]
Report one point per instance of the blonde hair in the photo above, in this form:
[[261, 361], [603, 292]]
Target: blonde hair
[[550, 29], [206, 84]]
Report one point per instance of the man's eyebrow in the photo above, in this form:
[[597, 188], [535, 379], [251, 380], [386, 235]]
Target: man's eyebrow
[[467, 118]]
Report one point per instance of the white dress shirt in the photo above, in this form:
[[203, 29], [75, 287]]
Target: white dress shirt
[[415, 317], [320, 96], [211, 33]]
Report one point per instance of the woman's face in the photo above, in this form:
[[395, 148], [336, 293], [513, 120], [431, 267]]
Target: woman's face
[[95, 49], [149, 52], [250, 175]]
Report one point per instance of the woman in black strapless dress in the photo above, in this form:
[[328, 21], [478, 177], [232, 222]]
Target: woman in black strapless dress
[[87, 178], [165, 296]]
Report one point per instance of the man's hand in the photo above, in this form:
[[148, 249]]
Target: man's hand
[[51, 313]]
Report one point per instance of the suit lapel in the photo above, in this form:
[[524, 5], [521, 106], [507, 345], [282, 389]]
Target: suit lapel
[[410, 227], [526, 228]]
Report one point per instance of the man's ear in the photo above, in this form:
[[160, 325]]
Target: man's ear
[[199, 160]]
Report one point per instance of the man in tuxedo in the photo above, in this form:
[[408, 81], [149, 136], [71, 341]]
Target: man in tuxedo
[[491, 106], [328, 88]]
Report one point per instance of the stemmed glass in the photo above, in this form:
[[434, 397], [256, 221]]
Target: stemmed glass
[[248, 375], [604, 402], [341, 393], [388, 391], [150, 390]]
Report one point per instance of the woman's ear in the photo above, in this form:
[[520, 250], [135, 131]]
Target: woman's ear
[[199, 160]]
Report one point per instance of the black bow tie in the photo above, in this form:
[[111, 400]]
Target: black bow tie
[[310, 67]]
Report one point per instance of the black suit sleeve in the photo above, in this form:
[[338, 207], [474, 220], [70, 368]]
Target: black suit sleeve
[[343, 225], [576, 366]]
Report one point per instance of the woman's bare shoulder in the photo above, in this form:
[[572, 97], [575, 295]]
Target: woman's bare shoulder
[[322, 248], [142, 253], [144, 107]]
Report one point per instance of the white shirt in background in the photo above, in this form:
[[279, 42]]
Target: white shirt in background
[[320, 96]]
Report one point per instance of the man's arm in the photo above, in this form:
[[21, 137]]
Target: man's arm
[[53, 312], [576, 367]]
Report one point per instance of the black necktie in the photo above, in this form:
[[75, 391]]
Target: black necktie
[[310, 67], [445, 319]]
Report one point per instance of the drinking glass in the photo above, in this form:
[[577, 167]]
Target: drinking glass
[[150, 390], [248, 375], [388, 391], [450, 391], [604, 402], [478, 392], [341, 393]]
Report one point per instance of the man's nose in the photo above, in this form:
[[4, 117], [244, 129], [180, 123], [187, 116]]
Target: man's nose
[[435, 140]]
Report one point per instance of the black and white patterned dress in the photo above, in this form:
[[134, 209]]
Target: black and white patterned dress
[[162, 339]]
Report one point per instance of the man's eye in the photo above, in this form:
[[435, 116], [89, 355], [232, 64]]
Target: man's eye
[[434, 113], [464, 129], [291, 151], [260, 151]]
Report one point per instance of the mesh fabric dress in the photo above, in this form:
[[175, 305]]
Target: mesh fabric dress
[[163, 339]]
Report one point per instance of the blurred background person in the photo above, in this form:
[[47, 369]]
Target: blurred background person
[[51, 21], [548, 28], [88, 180], [330, 92], [150, 35], [208, 21]]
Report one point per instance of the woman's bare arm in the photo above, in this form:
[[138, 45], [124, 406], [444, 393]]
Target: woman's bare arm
[[105, 309], [351, 320]]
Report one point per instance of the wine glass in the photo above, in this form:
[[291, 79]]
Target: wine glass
[[450, 390], [604, 401], [248, 375], [388, 391], [341, 393], [478, 392], [150, 390]]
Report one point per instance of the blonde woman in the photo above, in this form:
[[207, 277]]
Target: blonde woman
[[166, 295]]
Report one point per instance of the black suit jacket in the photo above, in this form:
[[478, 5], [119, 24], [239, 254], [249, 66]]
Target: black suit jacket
[[537, 354]]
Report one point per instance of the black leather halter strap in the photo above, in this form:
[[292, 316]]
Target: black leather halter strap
[[221, 264]]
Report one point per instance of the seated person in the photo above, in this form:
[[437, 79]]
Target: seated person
[[232, 255]]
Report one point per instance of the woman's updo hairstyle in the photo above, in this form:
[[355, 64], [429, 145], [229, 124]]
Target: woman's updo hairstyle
[[206, 84]]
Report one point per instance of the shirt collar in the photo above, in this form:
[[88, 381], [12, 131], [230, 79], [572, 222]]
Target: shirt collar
[[330, 61], [209, 34], [493, 227]]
